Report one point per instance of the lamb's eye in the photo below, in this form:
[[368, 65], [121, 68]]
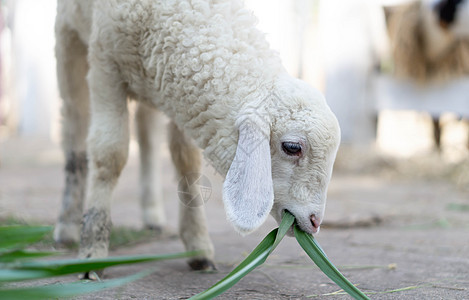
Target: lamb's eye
[[292, 149]]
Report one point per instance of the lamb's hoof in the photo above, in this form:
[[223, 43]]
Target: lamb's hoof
[[202, 264], [92, 275]]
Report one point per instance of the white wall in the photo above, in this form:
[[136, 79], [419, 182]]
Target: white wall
[[34, 77]]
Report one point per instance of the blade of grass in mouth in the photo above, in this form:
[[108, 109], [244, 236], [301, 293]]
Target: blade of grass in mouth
[[268, 244]]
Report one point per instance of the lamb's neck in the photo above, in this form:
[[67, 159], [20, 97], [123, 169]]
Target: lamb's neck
[[215, 127]]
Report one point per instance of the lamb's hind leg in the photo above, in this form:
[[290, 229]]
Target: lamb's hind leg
[[149, 128], [192, 224], [108, 143], [72, 67]]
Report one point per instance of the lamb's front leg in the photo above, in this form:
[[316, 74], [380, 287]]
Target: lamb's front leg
[[149, 128], [72, 67], [192, 224], [108, 143]]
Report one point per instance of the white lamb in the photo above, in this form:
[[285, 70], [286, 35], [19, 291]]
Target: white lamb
[[205, 65]]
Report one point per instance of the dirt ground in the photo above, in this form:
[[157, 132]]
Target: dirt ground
[[385, 231]]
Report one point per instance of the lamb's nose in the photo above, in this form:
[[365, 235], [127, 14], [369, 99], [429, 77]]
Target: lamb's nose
[[316, 222]]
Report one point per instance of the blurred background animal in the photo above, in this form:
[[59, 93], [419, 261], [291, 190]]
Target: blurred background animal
[[430, 39]]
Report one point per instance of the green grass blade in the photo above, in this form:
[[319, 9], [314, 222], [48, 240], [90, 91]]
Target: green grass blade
[[11, 275], [19, 255], [457, 207], [66, 290], [314, 251], [255, 259], [43, 269], [19, 236], [287, 221]]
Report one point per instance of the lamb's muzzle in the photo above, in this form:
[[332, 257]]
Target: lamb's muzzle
[[312, 226]]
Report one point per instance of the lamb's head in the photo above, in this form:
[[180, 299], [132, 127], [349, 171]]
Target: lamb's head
[[283, 160]]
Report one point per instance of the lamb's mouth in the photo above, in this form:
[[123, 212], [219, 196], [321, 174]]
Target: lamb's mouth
[[303, 225]]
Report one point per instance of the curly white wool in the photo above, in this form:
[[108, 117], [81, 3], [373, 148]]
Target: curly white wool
[[198, 71]]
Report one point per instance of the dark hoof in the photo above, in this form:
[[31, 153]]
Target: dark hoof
[[92, 275], [202, 264]]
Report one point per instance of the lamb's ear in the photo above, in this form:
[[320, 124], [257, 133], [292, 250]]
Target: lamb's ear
[[248, 190]]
